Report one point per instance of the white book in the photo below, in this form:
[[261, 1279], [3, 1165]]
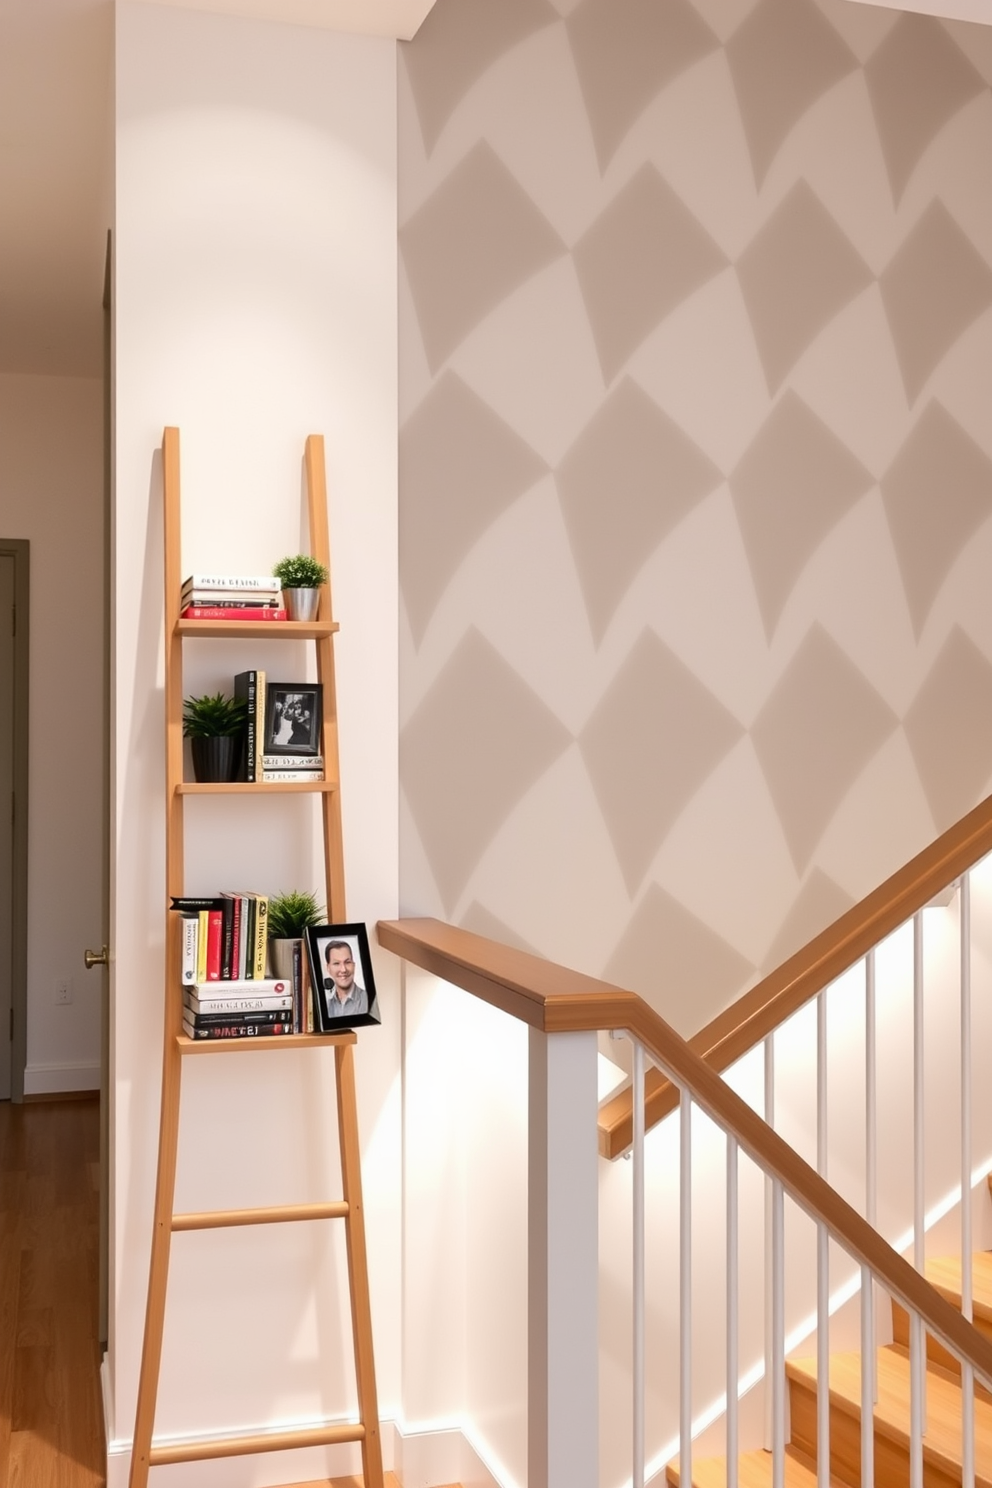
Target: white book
[[289, 777], [219, 582], [292, 762], [191, 940], [214, 1005], [243, 987]]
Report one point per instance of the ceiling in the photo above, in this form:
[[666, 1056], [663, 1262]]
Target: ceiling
[[56, 123]]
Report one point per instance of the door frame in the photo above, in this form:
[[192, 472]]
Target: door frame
[[19, 549]]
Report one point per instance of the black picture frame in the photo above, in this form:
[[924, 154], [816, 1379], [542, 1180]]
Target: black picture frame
[[323, 940], [293, 711]]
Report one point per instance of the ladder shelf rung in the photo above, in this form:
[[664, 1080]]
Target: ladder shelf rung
[[241, 1446], [221, 1219], [255, 787]]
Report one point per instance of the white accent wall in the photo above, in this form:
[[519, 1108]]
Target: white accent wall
[[51, 493], [255, 284]]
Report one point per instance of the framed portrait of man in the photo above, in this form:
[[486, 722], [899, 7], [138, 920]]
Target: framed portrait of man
[[341, 978]]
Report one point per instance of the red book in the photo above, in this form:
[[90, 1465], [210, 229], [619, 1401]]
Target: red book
[[215, 936], [215, 612]]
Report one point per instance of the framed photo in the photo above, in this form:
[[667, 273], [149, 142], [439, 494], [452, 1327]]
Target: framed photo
[[341, 978], [292, 718]]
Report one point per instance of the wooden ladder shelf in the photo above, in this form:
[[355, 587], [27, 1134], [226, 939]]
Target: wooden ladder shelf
[[146, 1454]]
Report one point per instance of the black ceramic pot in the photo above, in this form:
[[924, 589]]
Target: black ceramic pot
[[216, 759]]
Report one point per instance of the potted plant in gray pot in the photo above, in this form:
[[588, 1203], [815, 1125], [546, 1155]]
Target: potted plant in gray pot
[[290, 916], [214, 725], [301, 578]]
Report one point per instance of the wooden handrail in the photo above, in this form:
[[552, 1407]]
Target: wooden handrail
[[555, 1000], [835, 950]]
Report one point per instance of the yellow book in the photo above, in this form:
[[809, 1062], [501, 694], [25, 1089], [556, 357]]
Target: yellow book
[[201, 948]]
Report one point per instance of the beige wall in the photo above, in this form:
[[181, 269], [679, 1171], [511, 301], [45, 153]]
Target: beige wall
[[695, 471], [51, 493]]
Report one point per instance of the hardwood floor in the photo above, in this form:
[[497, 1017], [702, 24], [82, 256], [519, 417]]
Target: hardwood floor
[[51, 1419]]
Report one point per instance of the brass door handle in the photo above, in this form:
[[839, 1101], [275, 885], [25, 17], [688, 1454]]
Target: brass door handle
[[95, 958]]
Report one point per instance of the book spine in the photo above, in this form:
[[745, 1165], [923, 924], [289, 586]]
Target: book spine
[[245, 691], [234, 582], [191, 928], [227, 938], [229, 1008], [260, 715], [215, 935], [247, 600], [203, 935], [248, 937], [237, 949], [292, 761], [236, 1030], [270, 987], [257, 1018], [261, 934], [216, 612], [297, 986], [287, 777]]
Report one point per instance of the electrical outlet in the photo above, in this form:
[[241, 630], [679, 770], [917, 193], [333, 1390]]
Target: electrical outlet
[[63, 991]]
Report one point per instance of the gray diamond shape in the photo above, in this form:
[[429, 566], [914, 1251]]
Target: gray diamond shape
[[478, 741], [918, 79], [626, 52], [937, 493], [626, 482], [470, 245], [783, 57], [458, 42], [797, 273], [683, 968], [642, 257], [461, 466], [935, 286], [949, 728], [654, 737], [815, 734], [790, 489]]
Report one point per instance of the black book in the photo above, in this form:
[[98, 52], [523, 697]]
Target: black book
[[246, 691], [237, 1030], [222, 1020], [226, 939]]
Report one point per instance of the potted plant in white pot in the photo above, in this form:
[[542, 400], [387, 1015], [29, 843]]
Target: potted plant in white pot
[[301, 578], [290, 916], [215, 726]]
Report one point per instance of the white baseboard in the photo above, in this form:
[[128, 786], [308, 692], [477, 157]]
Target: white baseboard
[[420, 1459], [56, 1079]]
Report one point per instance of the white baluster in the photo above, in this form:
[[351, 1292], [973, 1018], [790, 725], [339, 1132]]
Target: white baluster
[[967, 1426], [685, 1289], [867, 1381], [916, 1401], [822, 1259], [638, 1263], [919, 1129], [769, 1053], [966, 1269], [871, 1133], [778, 1335], [733, 1313]]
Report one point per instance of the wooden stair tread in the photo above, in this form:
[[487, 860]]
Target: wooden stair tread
[[944, 1273], [754, 1470], [942, 1439]]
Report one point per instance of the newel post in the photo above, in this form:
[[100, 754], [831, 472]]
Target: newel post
[[563, 1265]]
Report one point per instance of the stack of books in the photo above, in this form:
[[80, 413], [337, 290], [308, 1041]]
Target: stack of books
[[226, 993], [238, 1009], [231, 597]]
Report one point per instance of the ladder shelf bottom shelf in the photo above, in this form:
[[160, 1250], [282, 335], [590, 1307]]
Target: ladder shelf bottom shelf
[[257, 630]]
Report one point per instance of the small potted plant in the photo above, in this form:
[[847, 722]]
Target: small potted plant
[[290, 916], [214, 725], [301, 578]]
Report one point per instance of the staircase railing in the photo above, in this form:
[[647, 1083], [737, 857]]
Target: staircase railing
[[564, 1011], [850, 939]]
